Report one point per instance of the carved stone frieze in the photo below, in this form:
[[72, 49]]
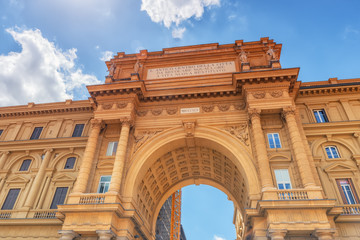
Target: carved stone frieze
[[239, 106], [122, 105], [224, 107], [171, 111], [141, 113], [259, 94], [240, 132], [156, 112], [107, 106], [276, 93], [207, 108], [142, 137]]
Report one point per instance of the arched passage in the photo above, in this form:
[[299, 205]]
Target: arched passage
[[168, 162]]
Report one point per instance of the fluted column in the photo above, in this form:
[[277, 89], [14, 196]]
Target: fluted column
[[277, 234], [298, 148], [3, 159], [35, 187], [261, 151], [120, 158], [88, 158]]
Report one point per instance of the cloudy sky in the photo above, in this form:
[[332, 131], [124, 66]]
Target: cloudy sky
[[49, 50]]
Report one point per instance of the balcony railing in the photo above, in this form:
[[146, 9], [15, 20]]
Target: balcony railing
[[92, 199], [292, 194], [35, 213], [5, 214], [43, 214], [351, 209]]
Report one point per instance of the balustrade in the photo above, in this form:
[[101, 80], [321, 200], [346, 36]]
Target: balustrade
[[92, 199]]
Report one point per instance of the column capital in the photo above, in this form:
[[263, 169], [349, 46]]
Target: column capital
[[126, 122], [67, 234], [96, 123], [289, 110], [277, 234], [105, 234], [4, 153], [254, 113], [50, 150]]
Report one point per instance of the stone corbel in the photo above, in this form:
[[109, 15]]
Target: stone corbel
[[189, 128], [356, 158]]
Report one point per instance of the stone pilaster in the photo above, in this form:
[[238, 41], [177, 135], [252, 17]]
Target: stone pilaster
[[105, 234], [120, 158], [87, 161], [261, 150], [3, 158], [277, 234], [67, 234], [35, 187], [298, 148]]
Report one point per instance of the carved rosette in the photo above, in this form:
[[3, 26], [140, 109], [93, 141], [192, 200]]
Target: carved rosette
[[207, 108], [143, 137], [107, 106], [259, 94], [141, 113], [171, 111], [224, 107], [240, 132], [122, 105], [156, 112], [276, 93], [239, 106]]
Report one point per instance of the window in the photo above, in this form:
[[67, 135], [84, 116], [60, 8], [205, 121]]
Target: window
[[78, 130], [59, 197], [320, 116], [70, 162], [347, 191], [36, 133], [282, 178], [25, 165], [104, 184], [1, 131], [274, 140], [111, 150], [10, 199], [332, 152]]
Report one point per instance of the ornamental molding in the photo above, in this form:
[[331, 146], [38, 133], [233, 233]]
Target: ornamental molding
[[172, 111], [142, 137], [156, 112], [207, 108], [276, 93], [240, 132], [141, 113], [259, 94], [223, 107]]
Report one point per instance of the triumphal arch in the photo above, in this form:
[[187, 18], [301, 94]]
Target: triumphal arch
[[286, 153]]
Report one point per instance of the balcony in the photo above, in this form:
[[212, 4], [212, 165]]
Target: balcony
[[351, 209], [32, 214]]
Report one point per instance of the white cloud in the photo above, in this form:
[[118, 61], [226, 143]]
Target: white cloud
[[218, 238], [106, 56], [41, 72], [350, 32], [178, 32], [175, 11]]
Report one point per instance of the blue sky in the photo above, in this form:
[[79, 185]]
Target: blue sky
[[49, 50]]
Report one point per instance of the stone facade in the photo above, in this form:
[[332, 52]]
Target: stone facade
[[286, 153]]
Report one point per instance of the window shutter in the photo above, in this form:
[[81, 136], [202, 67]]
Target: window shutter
[[59, 197]]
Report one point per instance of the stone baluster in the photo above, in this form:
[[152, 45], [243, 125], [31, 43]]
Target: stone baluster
[[120, 158], [261, 151], [88, 158], [3, 159], [298, 148], [35, 187]]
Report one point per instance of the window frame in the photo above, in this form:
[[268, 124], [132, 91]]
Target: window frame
[[331, 148], [37, 135], [272, 140], [323, 118], [28, 167], [1, 132], [6, 198], [53, 198], [344, 194], [99, 185], [73, 165], [278, 182], [113, 149], [76, 131]]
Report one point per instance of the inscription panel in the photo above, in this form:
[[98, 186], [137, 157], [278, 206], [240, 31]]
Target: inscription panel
[[191, 70]]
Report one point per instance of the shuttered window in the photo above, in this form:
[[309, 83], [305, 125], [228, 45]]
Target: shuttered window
[[59, 197], [25, 165], [78, 130], [36, 133], [10, 199]]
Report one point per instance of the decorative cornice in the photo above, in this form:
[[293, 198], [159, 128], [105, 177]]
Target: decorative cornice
[[329, 89], [49, 111]]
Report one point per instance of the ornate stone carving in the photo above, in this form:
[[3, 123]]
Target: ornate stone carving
[[189, 127], [290, 110], [171, 111], [254, 112], [107, 106], [95, 123], [207, 108], [156, 112], [142, 137], [122, 105], [259, 94], [271, 53], [112, 69], [239, 106], [239, 131], [137, 66], [224, 107], [243, 57], [276, 93], [141, 113]]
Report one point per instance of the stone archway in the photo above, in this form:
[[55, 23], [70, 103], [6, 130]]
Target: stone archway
[[168, 162]]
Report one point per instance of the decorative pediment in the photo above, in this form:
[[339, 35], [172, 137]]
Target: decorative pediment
[[106, 164], [17, 179], [279, 158], [339, 167], [63, 178]]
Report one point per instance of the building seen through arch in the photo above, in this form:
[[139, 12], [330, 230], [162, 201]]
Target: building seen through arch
[[285, 152]]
